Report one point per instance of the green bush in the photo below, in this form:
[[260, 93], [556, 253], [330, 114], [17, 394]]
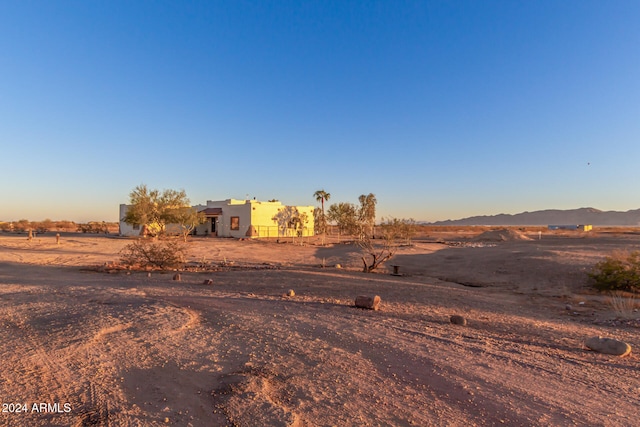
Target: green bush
[[618, 272]]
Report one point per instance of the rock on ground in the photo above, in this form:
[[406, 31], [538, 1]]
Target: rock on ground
[[608, 346], [370, 303], [458, 320]]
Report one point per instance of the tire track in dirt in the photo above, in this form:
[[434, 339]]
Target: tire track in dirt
[[44, 378], [96, 411], [157, 351], [142, 340], [96, 363], [82, 363]]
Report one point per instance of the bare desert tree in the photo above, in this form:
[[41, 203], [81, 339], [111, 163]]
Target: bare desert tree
[[376, 252]]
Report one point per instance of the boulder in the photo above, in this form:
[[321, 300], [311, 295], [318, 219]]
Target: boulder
[[291, 293], [177, 277], [608, 346], [208, 282], [458, 320], [370, 303]]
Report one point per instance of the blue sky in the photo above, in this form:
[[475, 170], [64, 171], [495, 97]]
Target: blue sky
[[442, 109]]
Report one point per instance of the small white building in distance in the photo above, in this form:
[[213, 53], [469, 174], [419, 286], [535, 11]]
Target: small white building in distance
[[581, 227], [241, 219]]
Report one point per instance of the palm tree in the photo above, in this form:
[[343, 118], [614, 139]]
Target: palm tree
[[321, 196]]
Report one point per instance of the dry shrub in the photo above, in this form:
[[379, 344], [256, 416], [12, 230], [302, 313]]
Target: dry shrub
[[624, 305], [618, 272], [162, 254]]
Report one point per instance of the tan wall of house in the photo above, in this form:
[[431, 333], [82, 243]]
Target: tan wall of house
[[255, 218]]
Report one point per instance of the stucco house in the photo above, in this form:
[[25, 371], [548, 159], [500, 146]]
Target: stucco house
[[243, 219]]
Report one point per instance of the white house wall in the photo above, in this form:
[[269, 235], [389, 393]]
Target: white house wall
[[243, 212], [126, 229]]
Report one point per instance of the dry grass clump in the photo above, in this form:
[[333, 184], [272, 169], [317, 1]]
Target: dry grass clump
[[624, 305]]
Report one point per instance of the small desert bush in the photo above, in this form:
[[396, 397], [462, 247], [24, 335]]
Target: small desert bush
[[162, 254], [618, 272]]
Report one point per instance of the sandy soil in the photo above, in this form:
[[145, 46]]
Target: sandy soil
[[86, 348]]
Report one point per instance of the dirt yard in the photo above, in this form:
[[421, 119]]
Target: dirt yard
[[84, 348]]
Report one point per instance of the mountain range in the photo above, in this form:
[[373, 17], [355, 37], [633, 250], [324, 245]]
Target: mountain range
[[554, 217]]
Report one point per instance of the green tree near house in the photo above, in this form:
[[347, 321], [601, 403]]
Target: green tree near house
[[154, 210], [353, 219], [188, 218], [345, 216]]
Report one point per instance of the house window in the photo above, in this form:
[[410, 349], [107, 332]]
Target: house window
[[136, 226], [235, 223]]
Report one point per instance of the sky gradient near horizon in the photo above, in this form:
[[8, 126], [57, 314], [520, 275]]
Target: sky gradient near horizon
[[442, 109]]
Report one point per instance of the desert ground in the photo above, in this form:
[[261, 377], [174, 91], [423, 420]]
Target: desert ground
[[87, 345]]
